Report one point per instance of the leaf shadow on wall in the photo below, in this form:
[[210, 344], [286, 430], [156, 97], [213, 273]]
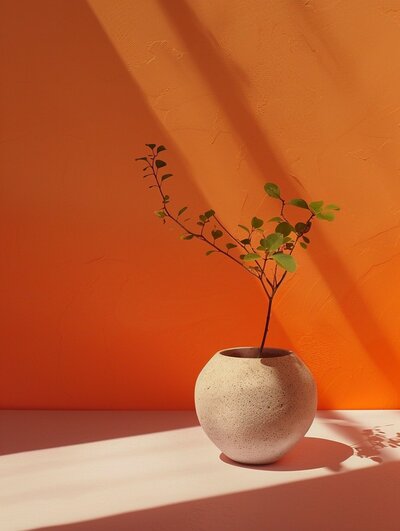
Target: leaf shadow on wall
[[212, 65]]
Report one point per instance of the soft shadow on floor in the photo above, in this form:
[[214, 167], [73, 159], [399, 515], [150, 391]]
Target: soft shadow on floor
[[310, 452], [22, 431], [364, 500]]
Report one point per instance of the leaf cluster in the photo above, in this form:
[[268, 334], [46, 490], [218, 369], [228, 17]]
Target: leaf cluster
[[259, 243]]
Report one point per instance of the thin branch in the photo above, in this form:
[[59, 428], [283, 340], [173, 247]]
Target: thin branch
[[243, 246], [260, 350], [282, 208], [200, 236], [229, 233], [275, 279]]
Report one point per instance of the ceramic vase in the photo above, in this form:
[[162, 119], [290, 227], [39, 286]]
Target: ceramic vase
[[255, 409]]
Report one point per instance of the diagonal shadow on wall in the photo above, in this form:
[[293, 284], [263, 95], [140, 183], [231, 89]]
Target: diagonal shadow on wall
[[73, 121], [223, 84]]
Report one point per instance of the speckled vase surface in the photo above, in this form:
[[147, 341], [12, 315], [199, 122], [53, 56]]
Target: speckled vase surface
[[254, 409]]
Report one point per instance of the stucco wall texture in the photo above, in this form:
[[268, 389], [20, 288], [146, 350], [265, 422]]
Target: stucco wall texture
[[104, 307]]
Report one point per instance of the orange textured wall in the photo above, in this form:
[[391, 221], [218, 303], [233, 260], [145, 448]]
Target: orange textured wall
[[102, 306]]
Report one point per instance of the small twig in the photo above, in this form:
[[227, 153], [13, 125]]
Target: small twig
[[243, 246], [187, 230], [282, 213]]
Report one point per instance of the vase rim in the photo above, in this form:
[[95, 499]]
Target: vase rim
[[253, 352]]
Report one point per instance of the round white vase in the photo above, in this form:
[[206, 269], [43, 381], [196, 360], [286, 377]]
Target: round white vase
[[254, 409]]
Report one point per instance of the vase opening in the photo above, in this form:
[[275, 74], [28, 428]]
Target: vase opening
[[253, 352]]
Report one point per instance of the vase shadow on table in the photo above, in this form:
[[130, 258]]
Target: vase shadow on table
[[309, 453]]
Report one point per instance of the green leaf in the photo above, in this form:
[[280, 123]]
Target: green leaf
[[160, 163], [231, 245], [277, 219], [166, 176], [151, 146], [315, 206], [272, 242], [307, 240], [250, 256], [284, 228], [209, 214], [256, 223], [143, 158], [210, 252], [332, 206], [166, 198], [286, 261], [304, 245], [287, 239], [245, 241], [160, 213], [186, 236], [161, 148], [203, 218], [182, 210], [217, 234], [328, 216], [244, 228], [299, 203], [272, 190], [300, 227]]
